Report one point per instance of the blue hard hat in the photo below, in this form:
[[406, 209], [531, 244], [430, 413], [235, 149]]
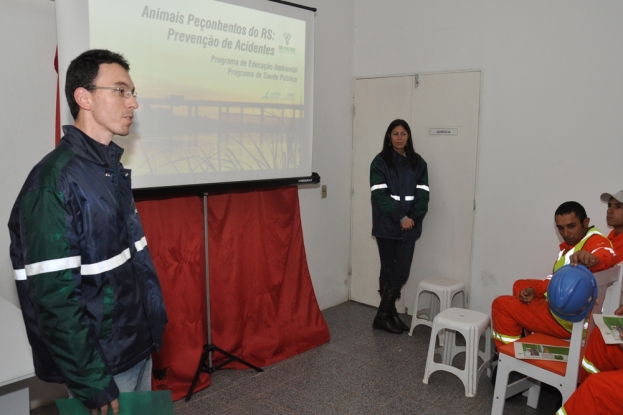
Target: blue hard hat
[[572, 292]]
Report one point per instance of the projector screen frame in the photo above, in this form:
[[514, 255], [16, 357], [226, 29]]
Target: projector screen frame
[[200, 189], [300, 6], [68, 26]]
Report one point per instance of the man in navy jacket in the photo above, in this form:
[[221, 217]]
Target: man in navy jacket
[[89, 293]]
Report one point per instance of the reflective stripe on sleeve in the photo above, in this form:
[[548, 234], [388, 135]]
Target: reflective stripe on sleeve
[[423, 187], [62, 264], [378, 186], [20, 274], [603, 247], [504, 338], [140, 244], [52, 265], [561, 411], [396, 197], [589, 366], [106, 265]]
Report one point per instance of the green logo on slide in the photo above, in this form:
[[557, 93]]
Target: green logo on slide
[[271, 95], [287, 49]]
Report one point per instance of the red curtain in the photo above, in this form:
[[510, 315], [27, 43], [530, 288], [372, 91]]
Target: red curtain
[[174, 232], [263, 305]]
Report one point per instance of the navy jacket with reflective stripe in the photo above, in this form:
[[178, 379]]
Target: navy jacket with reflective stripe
[[89, 293], [403, 183]]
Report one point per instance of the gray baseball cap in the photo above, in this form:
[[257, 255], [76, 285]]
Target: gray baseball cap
[[618, 196]]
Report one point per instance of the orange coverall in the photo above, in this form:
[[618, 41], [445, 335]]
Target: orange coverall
[[598, 394], [617, 243], [509, 315], [600, 356]]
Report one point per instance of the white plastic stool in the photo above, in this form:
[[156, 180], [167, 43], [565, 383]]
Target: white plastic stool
[[472, 325], [442, 291]]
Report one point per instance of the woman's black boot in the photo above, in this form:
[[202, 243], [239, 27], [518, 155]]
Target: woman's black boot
[[397, 320], [384, 319]]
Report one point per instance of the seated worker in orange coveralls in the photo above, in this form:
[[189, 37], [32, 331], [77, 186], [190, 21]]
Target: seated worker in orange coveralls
[[527, 308], [599, 393]]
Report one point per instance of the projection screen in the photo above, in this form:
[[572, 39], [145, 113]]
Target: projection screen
[[225, 89]]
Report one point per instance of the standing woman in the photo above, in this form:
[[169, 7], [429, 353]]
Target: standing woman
[[399, 186]]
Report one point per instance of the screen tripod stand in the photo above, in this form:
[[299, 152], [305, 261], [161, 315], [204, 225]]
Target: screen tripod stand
[[206, 363]]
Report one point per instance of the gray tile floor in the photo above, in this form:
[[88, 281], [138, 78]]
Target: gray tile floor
[[360, 371]]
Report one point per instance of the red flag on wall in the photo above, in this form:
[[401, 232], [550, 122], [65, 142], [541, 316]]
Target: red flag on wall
[[58, 101]]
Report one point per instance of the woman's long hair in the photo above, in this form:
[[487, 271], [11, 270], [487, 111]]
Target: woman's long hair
[[388, 150]]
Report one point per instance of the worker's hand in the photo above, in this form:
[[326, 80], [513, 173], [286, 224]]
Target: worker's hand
[[585, 258], [407, 224], [114, 405], [526, 295]]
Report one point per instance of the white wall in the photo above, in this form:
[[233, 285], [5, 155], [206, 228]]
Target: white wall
[[326, 222], [551, 108], [27, 106], [27, 113]]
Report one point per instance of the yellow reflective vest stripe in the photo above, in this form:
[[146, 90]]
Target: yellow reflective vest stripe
[[564, 259]]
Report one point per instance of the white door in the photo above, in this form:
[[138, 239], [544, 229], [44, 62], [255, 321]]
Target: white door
[[378, 101], [444, 123]]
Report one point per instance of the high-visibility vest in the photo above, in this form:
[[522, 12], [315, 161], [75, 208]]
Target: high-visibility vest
[[564, 259]]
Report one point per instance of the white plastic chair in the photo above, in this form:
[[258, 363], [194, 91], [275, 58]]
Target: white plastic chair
[[610, 285], [472, 325], [441, 290], [561, 375]]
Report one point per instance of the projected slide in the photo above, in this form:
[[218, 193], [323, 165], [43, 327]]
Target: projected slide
[[225, 90]]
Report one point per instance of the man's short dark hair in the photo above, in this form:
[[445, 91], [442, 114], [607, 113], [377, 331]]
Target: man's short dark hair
[[572, 207], [83, 70]]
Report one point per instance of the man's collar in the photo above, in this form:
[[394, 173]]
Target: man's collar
[[565, 246], [86, 147]]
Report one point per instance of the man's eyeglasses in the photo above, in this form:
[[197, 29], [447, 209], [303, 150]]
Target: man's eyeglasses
[[123, 93]]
